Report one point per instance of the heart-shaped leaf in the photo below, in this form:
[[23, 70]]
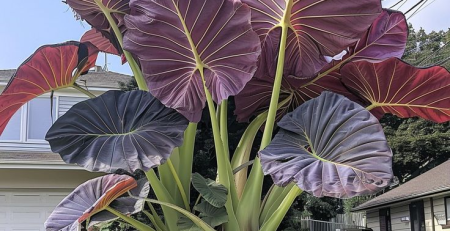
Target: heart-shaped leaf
[[91, 12], [213, 192], [393, 86], [316, 29], [101, 42], [255, 97], [330, 146], [50, 68], [212, 215], [126, 205], [181, 43], [92, 197], [117, 130], [385, 38]]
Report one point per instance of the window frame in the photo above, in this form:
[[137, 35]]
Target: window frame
[[447, 200], [24, 125]]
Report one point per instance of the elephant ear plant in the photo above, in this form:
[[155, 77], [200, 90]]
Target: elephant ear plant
[[326, 70]]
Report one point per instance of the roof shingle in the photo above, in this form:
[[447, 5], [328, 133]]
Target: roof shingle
[[434, 181]]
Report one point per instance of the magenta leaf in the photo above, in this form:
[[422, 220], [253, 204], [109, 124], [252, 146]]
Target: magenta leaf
[[50, 68], [316, 29], [90, 198], [117, 130], [330, 146], [395, 87], [179, 43]]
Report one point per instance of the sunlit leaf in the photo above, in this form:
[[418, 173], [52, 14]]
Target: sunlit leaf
[[126, 205], [50, 68], [92, 13], [213, 192], [330, 146], [395, 87], [117, 130], [386, 38], [177, 41], [316, 29], [101, 42], [92, 197]]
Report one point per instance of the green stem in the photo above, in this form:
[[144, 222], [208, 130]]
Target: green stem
[[251, 196], [163, 195], [224, 126], [133, 65], [275, 220], [158, 220], [199, 222], [178, 182], [84, 91], [186, 156], [135, 223], [274, 200], [152, 219]]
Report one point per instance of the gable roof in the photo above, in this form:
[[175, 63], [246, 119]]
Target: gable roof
[[431, 182], [103, 79]]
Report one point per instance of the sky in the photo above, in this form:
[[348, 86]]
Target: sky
[[28, 24]]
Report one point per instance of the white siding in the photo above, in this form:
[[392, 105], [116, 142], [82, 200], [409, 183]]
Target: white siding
[[373, 220], [397, 212], [65, 103]]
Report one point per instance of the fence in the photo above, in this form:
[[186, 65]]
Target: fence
[[314, 225]]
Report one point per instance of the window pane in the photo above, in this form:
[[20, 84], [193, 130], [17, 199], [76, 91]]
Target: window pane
[[447, 206], [12, 130], [39, 118]]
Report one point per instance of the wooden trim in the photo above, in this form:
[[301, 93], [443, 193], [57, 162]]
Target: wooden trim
[[433, 228]]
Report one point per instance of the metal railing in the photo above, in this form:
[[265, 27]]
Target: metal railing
[[315, 225]]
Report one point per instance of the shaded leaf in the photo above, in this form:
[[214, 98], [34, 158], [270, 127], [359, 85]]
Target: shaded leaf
[[180, 42], [212, 215], [50, 68], [185, 224], [255, 97], [89, 198], [316, 29], [102, 43], [393, 86], [330, 146], [117, 130], [211, 191]]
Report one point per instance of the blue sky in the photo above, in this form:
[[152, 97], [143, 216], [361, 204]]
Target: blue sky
[[26, 25]]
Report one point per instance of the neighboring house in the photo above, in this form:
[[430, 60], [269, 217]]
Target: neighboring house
[[33, 180], [421, 204]]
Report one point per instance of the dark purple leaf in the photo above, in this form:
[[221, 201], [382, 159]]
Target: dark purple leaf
[[50, 68], [255, 97], [316, 29], [177, 41], [117, 130], [92, 197], [395, 87], [101, 42], [330, 146], [386, 38]]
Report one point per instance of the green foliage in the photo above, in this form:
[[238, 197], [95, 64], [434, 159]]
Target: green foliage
[[427, 49], [213, 192]]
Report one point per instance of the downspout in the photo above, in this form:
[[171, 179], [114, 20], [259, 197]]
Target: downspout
[[432, 214]]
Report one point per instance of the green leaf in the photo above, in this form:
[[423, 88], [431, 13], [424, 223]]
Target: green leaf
[[185, 224], [212, 215], [211, 191]]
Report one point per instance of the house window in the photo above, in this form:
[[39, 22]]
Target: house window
[[385, 219], [31, 122], [447, 210]]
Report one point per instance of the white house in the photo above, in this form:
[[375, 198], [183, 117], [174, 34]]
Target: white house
[[421, 204], [33, 180]]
